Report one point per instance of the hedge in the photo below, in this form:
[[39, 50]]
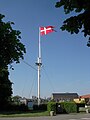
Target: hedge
[[70, 107], [51, 106], [42, 107], [62, 107]]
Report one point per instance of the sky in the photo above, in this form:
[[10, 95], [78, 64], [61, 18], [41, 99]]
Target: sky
[[65, 57]]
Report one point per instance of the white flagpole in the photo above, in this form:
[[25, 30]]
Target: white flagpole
[[39, 64], [39, 44]]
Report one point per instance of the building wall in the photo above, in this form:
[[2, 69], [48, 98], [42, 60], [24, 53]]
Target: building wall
[[64, 96], [79, 100]]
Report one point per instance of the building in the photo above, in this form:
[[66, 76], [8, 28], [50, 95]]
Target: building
[[79, 100], [23, 101], [61, 97], [86, 97]]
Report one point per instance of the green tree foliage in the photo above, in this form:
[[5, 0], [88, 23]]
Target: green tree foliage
[[11, 49], [16, 100], [5, 89], [81, 20]]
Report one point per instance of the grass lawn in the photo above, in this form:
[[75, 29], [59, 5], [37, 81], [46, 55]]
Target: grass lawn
[[24, 114]]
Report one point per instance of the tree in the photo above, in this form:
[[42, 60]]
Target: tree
[[16, 99], [80, 21], [11, 50], [5, 89]]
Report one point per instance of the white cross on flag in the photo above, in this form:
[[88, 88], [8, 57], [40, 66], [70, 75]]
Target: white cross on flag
[[46, 30]]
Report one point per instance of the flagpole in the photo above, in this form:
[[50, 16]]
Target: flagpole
[[39, 45], [42, 31], [39, 64]]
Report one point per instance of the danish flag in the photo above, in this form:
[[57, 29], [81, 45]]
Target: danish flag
[[46, 30]]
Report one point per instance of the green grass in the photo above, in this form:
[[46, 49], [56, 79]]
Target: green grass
[[24, 114]]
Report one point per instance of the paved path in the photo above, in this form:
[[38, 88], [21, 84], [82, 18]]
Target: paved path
[[58, 117]]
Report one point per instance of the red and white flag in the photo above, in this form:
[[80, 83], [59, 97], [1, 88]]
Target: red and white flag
[[46, 30]]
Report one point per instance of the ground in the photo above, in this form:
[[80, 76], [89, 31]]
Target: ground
[[58, 117]]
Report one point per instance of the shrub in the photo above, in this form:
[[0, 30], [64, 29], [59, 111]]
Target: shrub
[[14, 107], [60, 108], [69, 107], [51, 106], [42, 107], [63, 107], [80, 104], [66, 107]]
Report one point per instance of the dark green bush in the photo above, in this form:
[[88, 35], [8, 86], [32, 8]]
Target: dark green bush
[[42, 107], [69, 107], [80, 104], [60, 108], [63, 107], [14, 107], [51, 106], [66, 107]]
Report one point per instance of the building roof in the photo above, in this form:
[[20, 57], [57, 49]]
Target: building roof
[[63, 94], [85, 96]]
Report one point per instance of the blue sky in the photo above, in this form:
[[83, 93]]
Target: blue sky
[[65, 57]]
